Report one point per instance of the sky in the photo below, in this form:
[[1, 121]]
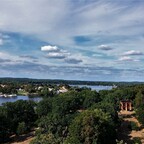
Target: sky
[[96, 40]]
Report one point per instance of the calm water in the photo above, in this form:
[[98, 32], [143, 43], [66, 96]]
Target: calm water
[[96, 87], [13, 99]]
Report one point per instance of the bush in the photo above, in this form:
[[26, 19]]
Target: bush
[[91, 127], [137, 140], [21, 129], [134, 126]]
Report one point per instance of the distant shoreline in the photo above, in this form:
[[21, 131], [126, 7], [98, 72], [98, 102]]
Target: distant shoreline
[[68, 82]]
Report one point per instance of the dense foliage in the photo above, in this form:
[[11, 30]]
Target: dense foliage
[[16, 118], [92, 127], [79, 116]]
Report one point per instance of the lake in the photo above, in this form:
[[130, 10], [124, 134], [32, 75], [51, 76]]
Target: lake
[[37, 99], [20, 97], [95, 87]]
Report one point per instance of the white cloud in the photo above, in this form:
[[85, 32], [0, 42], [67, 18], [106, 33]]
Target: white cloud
[[56, 55], [133, 52], [4, 55], [50, 48], [59, 22], [127, 58], [105, 47], [1, 41], [54, 52]]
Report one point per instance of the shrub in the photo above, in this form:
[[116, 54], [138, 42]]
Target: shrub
[[21, 129], [137, 140], [134, 126]]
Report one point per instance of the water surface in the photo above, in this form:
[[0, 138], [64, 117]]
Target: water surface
[[19, 97], [95, 87]]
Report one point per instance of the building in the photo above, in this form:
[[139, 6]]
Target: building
[[62, 90], [126, 105]]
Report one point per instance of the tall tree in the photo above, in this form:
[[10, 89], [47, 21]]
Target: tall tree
[[91, 127]]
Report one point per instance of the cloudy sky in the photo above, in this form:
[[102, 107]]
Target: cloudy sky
[[72, 39]]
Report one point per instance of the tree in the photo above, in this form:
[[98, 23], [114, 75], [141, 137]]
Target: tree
[[139, 107], [20, 111], [66, 104], [44, 107], [90, 97], [107, 107], [4, 125], [45, 139], [21, 129], [140, 114], [92, 127], [139, 99]]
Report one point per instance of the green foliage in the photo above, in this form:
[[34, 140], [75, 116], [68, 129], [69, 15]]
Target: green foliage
[[134, 126], [46, 93], [106, 107], [20, 111], [44, 107], [66, 103], [139, 106], [120, 142], [137, 140], [90, 97], [140, 114], [55, 124], [59, 117], [21, 129], [139, 99], [91, 127], [4, 125], [46, 139], [8, 89]]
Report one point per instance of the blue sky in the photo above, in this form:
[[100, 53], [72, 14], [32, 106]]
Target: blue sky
[[98, 40]]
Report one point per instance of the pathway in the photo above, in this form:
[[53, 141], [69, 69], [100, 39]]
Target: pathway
[[124, 132]]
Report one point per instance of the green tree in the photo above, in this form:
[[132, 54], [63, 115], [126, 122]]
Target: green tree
[[91, 127], [139, 107], [46, 139], [44, 107], [107, 107], [140, 114], [139, 99], [21, 129], [5, 122], [90, 97], [20, 111]]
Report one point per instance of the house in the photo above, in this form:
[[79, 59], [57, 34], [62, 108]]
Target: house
[[62, 90]]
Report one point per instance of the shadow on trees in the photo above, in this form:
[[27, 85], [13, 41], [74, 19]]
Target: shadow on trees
[[123, 132]]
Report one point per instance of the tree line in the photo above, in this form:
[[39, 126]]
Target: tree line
[[79, 116]]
